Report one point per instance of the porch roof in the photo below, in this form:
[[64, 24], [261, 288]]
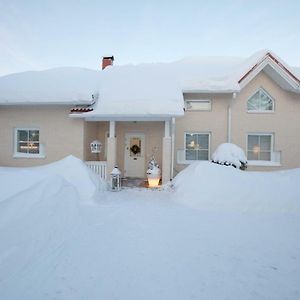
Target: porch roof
[[138, 91]]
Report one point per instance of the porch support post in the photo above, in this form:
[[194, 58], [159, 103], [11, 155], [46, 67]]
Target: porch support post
[[111, 149], [166, 154]]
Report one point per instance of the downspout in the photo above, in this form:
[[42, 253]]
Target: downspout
[[229, 118], [172, 147]]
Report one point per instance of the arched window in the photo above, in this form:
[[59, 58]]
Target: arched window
[[261, 101]]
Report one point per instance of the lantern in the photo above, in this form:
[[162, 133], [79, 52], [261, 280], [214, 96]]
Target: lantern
[[153, 180], [115, 179], [96, 146], [153, 173]]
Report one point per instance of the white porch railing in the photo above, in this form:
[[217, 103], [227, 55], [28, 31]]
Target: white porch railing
[[98, 167]]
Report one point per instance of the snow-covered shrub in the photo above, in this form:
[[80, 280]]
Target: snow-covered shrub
[[230, 155], [153, 167]]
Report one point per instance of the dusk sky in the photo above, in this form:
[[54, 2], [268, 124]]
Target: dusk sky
[[36, 35]]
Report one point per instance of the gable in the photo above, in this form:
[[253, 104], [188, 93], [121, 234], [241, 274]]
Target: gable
[[275, 69], [283, 99]]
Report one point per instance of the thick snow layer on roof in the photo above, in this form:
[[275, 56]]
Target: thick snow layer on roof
[[69, 85], [154, 89], [133, 90], [157, 88], [236, 71], [138, 90]]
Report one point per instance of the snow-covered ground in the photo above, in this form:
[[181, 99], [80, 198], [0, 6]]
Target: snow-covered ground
[[219, 233]]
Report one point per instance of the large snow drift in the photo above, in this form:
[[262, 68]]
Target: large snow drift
[[141, 244], [206, 185], [70, 170]]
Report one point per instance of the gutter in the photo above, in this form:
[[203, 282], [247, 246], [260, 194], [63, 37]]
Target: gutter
[[229, 118], [172, 147]]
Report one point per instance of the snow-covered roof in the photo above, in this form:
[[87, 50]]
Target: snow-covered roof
[[68, 85], [243, 69], [154, 89], [146, 89], [136, 91]]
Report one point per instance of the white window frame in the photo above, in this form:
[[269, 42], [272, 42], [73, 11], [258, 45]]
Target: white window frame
[[17, 154], [271, 162], [198, 100], [261, 111], [196, 132]]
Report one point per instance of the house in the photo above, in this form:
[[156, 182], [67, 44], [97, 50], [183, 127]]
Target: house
[[180, 112]]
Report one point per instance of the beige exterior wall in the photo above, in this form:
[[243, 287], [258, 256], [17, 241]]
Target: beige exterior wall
[[63, 135], [154, 132], [95, 131], [284, 122], [213, 122], [60, 134]]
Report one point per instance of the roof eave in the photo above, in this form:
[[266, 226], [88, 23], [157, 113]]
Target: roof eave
[[210, 91], [28, 103], [125, 117]]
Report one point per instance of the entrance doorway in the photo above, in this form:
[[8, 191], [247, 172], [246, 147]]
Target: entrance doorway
[[134, 162]]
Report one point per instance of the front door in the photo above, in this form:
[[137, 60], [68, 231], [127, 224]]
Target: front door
[[134, 162]]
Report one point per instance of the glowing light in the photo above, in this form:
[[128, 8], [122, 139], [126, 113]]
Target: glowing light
[[29, 147], [153, 182], [256, 149]]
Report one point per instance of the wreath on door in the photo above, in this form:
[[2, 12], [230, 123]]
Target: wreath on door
[[135, 149]]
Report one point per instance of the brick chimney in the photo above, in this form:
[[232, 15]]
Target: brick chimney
[[107, 61]]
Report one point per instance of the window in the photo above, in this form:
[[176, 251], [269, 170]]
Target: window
[[261, 101], [260, 147], [196, 146], [27, 142], [202, 105]]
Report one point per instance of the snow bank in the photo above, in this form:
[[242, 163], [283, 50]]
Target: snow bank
[[140, 242], [229, 154], [70, 169], [206, 185]]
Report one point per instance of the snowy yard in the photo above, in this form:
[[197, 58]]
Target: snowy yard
[[233, 235]]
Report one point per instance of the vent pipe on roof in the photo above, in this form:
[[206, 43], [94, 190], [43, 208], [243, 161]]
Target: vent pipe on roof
[[107, 61]]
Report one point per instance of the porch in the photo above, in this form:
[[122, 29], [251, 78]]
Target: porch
[[130, 144], [100, 169]]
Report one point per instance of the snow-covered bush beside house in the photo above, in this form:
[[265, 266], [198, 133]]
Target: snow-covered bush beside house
[[153, 173], [229, 154], [153, 168]]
